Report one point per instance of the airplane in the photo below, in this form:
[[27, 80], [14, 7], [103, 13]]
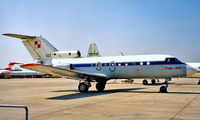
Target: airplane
[[8, 69], [70, 64], [15, 73], [25, 73]]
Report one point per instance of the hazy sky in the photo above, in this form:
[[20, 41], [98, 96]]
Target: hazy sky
[[129, 26]]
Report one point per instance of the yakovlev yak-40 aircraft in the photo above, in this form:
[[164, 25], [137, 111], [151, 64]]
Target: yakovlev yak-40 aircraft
[[70, 64]]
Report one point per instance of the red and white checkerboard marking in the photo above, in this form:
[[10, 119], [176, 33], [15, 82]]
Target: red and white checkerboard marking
[[37, 44]]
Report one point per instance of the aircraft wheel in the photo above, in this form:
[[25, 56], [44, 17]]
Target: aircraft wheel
[[153, 81], [199, 82], [163, 89], [145, 82], [47, 75], [83, 87], [100, 86]]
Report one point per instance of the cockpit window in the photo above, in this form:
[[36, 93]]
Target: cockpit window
[[172, 60]]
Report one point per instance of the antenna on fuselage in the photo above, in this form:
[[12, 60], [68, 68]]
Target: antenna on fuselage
[[122, 53]]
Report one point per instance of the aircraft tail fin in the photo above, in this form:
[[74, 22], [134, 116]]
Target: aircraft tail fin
[[93, 51], [38, 47], [10, 65]]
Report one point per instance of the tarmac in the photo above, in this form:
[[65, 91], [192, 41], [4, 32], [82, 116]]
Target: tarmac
[[59, 99]]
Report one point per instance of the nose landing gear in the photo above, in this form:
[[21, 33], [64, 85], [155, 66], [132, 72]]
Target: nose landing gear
[[163, 89]]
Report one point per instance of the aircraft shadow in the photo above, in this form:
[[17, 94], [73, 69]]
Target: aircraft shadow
[[88, 94], [157, 84], [96, 93], [66, 91], [165, 93], [185, 84], [171, 83]]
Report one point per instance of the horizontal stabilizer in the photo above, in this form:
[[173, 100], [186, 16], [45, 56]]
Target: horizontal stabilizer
[[19, 36], [38, 47]]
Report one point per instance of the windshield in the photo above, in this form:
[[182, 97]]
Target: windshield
[[172, 60]]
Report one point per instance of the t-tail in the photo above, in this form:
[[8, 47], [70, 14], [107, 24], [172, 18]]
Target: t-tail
[[93, 51], [38, 47]]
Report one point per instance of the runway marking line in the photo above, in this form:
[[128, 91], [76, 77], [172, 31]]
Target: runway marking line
[[181, 110]]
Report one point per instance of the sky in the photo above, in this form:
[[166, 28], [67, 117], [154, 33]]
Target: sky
[[130, 26]]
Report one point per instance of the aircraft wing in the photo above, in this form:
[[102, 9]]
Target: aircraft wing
[[19, 36], [63, 72]]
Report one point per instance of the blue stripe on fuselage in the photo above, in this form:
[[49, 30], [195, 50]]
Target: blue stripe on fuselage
[[125, 64]]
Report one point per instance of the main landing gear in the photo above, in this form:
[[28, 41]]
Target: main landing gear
[[84, 86], [199, 82], [153, 81], [100, 86]]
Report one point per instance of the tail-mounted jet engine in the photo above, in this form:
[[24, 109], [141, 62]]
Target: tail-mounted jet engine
[[66, 54], [64, 66]]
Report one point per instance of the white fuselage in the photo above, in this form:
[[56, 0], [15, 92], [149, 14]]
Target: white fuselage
[[4, 72], [138, 66], [23, 73]]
